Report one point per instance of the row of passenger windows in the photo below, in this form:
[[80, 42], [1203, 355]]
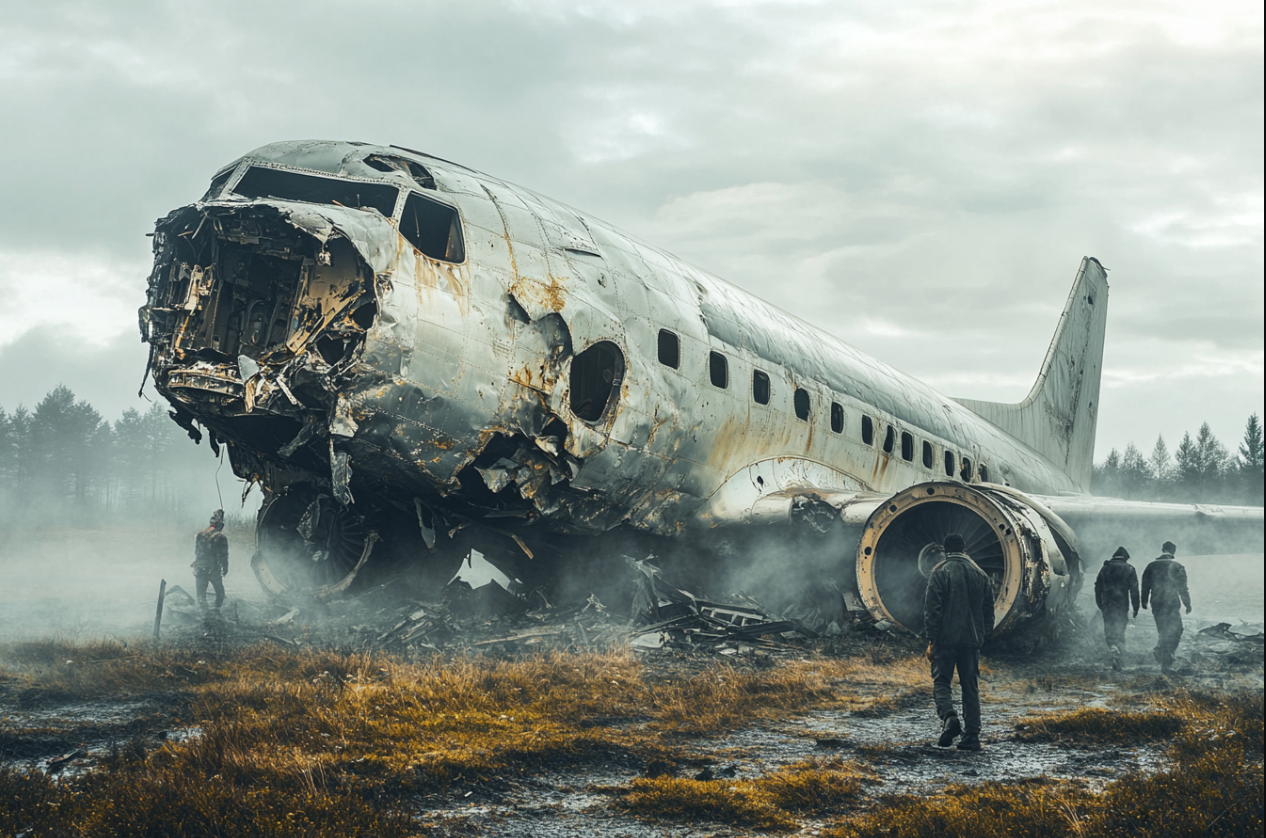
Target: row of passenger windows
[[719, 373]]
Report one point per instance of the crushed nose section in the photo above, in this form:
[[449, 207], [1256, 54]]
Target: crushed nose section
[[257, 316], [1033, 568], [246, 282]]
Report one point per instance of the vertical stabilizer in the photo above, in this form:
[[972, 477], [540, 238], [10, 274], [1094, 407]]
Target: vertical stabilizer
[[1058, 417]]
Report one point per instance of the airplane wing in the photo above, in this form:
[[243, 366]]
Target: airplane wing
[[1102, 524]]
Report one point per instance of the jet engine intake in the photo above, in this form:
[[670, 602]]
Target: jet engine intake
[[1029, 556]]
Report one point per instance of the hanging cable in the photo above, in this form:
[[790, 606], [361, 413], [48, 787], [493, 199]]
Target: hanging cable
[[217, 479]]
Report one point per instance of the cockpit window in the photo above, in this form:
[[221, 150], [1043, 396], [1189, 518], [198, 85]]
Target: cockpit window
[[433, 228], [217, 184], [391, 163], [262, 182]]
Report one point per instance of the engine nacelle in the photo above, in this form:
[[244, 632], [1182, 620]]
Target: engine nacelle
[[1027, 551]]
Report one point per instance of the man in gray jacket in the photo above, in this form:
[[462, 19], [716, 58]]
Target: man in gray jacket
[[957, 616], [1165, 583]]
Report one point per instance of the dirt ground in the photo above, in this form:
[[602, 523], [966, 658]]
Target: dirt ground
[[85, 585]]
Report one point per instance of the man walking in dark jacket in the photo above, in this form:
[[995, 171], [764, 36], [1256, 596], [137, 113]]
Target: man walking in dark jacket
[[957, 615], [1116, 589], [1165, 582]]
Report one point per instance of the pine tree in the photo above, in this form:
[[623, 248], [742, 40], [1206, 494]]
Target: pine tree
[[1105, 478], [1162, 469], [1136, 475], [1201, 465], [1249, 462], [65, 462]]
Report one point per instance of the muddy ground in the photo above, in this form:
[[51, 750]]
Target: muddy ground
[[82, 586]]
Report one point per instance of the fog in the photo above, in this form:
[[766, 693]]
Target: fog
[[87, 584]]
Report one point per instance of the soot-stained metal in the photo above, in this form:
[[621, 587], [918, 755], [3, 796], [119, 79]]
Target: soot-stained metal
[[414, 359]]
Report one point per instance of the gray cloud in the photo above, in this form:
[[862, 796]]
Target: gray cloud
[[919, 181]]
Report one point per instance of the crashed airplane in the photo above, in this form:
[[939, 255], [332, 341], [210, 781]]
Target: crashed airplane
[[414, 359]]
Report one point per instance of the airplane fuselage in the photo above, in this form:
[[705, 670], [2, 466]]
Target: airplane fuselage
[[715, 397]]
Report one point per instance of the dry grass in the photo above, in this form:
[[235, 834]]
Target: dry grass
[[1214, 788], [340, 742], [774, 802], [1097, 725], [317, 743]]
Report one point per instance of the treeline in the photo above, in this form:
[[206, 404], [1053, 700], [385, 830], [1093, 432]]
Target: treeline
[[1201, 470], [63, 463]]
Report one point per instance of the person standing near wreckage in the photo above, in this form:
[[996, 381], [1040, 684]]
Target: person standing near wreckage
[[1116, 589], [1165, 583], [957, 616], [211, 560]]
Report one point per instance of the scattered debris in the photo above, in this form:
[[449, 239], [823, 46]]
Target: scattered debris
[[484, 609], [671, 616], [1222, 631], [56, 764]]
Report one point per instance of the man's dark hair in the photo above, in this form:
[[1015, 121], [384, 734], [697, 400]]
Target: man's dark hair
[[954, 543], [1169, 547]]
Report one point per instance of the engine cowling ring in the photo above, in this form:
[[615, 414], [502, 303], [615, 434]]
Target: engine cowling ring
[[1009, 539]]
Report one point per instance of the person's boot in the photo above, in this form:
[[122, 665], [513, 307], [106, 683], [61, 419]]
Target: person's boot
[[969, 742], [951, 729], [1114, 652]]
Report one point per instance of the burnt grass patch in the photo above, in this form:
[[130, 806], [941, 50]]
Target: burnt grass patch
[[323, 743]]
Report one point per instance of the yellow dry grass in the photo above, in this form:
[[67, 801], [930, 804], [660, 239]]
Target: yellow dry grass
[[773, 802], [343, 740], [1214, 787], [325, 744]]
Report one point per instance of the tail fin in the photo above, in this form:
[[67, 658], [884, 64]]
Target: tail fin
[[1058, 417]]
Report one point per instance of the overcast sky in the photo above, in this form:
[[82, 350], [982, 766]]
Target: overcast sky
[[920, 179]]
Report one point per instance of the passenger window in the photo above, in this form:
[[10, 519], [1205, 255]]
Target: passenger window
[[719, 370], [801, 403], [669, 349], [927, 454], [907, 446], [965, 471], [760, 387], [984, 473], [889, 439], [868, 430], [949, 463], [837, 418]]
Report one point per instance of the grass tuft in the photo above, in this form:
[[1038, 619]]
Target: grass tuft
[[1099, 725], [775, 801], [677, 800]]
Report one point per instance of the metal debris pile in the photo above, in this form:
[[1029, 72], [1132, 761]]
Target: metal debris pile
[[484, 610], [669, 616]]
